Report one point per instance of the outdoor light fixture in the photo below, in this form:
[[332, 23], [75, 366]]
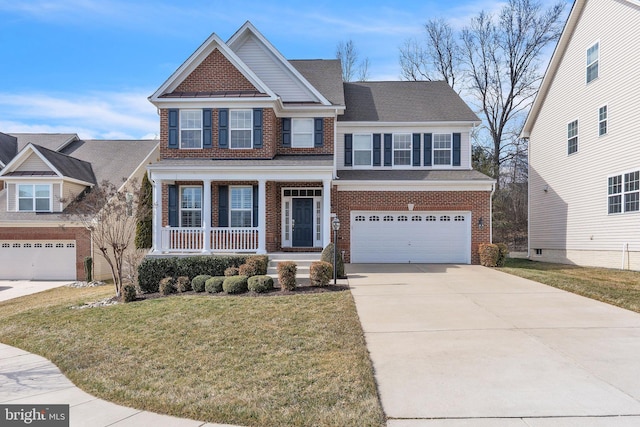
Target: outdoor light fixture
[[545, 188], [335, 226], [480, 223]]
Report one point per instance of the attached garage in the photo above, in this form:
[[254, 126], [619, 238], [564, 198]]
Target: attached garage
[[411, 237], [38, 259]]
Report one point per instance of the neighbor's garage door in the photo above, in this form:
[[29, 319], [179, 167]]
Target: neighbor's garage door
[[38, 260], [416, 237]]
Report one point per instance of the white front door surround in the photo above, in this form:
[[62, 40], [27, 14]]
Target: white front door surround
[[315, 195]]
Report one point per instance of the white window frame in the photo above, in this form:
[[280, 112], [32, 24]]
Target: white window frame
[[308, 142], [190, 209], [394, 149], [34, 198], [232, 128], [183, 127], [434, 149], [628, 192], [354, 150], [603, 121], [571, 136], [594, 63], [242, 208]]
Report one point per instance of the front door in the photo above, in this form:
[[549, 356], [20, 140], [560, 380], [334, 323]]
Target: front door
[[302, 222]]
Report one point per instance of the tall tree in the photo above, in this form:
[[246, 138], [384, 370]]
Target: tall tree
[[499, 64], [352, 68]]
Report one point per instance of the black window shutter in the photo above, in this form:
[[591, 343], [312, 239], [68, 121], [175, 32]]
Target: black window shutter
[[223, 128], [427, 149], [416, 149], [173, 128], [173, 205], [377, 158], [255, 206], [223, 206], [257, 128], [456, 149], [348, 149], [206, 128], [318, 132], [286, 132], [388, 149]]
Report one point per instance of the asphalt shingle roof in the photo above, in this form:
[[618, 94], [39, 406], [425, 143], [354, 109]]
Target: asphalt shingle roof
[[323, 74], [412, 175], [52, 141], [68, 166], [404, 101], [8, 148]]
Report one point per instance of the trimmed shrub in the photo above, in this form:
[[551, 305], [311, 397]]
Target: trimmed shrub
[[327, 256], [235, 284], [88, 269], [252, 267], [197, 284], [232, 271], [489, 254], [502, 256], [261, 261], [129, 293], [214, 284], [183, 284], [260, 283], [320, 273], [287, 275], [167, 286]]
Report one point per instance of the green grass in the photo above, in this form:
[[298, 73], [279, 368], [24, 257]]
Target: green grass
[[617, 287], [268, 361]]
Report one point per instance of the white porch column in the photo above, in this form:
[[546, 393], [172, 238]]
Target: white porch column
[[262, 216], [206, 215], [326, 212], [156, 238]]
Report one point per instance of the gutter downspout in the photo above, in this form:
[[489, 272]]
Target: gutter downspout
[[335, 145], [493, 190]]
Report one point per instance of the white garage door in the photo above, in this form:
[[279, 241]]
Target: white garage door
[[411, 237], [38, 260]]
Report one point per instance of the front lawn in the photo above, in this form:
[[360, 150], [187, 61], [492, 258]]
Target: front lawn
[[617, 287], [295, 360]]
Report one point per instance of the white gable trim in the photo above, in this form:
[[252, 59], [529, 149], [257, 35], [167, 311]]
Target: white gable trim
[[249, 29], [212, 43]]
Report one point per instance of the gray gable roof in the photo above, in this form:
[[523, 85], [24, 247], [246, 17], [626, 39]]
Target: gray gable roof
[[68, 166], [412, 175], [8, 148], [323, 74], [404, 101], [52, 141]]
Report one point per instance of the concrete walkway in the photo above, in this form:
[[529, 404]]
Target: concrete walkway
[[470, 346], [26, 378]]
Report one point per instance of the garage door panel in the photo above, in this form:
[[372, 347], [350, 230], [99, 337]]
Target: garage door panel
[[38, 260], [416, 237]]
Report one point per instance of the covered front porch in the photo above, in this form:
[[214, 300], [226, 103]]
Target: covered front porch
[[224, 209]]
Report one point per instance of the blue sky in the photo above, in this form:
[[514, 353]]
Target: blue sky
[[88, 66]]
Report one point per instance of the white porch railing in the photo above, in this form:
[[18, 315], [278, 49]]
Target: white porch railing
[[221, 239]]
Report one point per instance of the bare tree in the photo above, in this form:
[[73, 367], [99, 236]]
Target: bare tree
[[109, 214], [348, 55]]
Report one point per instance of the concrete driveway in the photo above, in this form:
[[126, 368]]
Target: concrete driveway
[[10, 289], [470, 346]]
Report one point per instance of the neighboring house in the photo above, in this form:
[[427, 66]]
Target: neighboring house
[[584, 155], [41, 170], [258, 154]]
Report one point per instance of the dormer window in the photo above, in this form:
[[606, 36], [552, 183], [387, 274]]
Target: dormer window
[[593, 58], [34, 197]]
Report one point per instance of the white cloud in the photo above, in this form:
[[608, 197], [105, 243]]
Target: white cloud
[[94, 115]]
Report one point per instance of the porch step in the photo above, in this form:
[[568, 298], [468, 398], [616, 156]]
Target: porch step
[[303, 262]]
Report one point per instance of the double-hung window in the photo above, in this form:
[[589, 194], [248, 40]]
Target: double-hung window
[[402, 149], [593, 58], [34, 197], [240, 129], [602, 120], [302, 133], [190, 206], [572, 137], [241, 212], [190, 128], [362, 150], [624, 193], [442, 149]]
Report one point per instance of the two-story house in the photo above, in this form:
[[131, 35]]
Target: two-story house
[[259, 153], [41, 174], [584, 170]]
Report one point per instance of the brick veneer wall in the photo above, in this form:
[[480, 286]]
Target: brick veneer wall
[[478, 202], [80, 235], [214, 74]]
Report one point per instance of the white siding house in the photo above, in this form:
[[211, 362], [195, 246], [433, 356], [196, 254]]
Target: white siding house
[[584, 151]]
